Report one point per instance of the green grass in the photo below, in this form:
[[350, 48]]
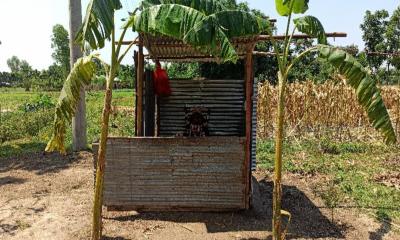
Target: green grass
[[29, 131], [350, 167]]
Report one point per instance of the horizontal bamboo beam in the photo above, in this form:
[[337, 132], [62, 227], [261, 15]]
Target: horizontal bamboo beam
[[265, 54], [394, 54], [300, 36], [260, 38]]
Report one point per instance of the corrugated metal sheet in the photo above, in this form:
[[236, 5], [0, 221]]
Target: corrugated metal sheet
[[224, 100], [254, 127], [175, 173]]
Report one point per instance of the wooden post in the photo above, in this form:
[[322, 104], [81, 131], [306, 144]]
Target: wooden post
[[135, 59], [149, 106], [249, 111], [139, 90]]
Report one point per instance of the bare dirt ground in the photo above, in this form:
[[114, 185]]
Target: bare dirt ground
[[50, 197]]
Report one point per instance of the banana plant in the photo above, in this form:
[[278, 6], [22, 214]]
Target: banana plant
[[204, 24], [368, 95]]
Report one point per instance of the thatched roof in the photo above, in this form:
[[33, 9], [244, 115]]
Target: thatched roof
[[170, 49]]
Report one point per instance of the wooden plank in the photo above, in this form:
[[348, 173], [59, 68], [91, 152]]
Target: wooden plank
[[139, 90]]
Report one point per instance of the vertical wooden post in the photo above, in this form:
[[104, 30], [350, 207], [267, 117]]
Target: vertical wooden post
[[139, 89], [249, 110], [135, 59], [149, 106]]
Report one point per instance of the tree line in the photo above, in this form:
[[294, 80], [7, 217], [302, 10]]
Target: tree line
[[23, 75]]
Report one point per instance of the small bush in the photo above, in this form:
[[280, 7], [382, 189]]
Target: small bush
[[41, 102], [17, 125], [329, 147]]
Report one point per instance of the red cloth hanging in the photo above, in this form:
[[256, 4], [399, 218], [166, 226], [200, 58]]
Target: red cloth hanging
[[161, 81]]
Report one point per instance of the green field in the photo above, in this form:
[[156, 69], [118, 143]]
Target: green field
[[23, 131], [346, 174]]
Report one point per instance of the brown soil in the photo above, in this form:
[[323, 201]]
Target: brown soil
[[50, 197]]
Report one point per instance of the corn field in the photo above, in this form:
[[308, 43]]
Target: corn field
[[329, 109]]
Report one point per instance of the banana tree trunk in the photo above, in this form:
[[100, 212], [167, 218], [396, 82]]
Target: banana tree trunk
[[277, 193], [98, 195]]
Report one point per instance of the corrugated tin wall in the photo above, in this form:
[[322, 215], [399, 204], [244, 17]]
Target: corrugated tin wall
[[175, 173], [254, 127], [223, 98]]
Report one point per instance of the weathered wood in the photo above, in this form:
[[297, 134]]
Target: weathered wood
[[149, 105], [249, 112], [175, 173], [136, 62], [139, 90], [170, 208]]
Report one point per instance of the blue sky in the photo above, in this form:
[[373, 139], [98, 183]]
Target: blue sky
[[25, 25]]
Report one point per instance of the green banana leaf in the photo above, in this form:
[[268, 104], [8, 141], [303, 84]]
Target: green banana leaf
[[81, 75], [98, 23], [368, 95], [210, 34], [312, 26], [283, 6], [207, 7]]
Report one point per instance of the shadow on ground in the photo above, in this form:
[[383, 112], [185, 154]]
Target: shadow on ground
[[11, 180], [385, 227], [307, 219], [113, 238], [38, 162]]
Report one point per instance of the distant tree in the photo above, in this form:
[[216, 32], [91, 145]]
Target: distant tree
[[374, 28], [307, 68], [61, 50], [393, 38], [22, 69], [126, 74], [13, 64], [12, 79], [183, 70]]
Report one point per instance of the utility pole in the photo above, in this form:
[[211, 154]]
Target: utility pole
[[79, 141]]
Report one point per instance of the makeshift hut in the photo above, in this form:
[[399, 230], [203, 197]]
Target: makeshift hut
[[164, 169]]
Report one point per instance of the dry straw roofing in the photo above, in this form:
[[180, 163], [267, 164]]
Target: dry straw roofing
[[170, 49]]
